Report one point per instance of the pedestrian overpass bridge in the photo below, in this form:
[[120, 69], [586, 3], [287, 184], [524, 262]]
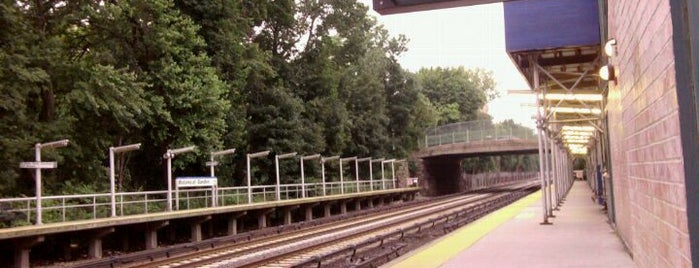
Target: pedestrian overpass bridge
[[443, 148]]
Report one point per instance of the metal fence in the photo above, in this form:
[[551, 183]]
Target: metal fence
[[473, 131], [62, 208]]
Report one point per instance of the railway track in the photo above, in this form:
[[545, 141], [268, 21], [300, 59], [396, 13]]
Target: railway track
[[250, 250], [326, 242]]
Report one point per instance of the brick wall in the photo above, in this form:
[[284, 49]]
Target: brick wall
[[644, 135]]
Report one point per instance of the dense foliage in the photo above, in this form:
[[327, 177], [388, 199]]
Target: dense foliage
[[307, 76]]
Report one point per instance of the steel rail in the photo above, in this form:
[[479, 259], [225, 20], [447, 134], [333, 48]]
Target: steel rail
[[259, 255], [248, 247]]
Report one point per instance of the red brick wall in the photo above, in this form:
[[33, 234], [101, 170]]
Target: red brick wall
[[644, 134]]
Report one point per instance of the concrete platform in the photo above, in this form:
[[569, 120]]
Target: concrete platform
[[512, 237]]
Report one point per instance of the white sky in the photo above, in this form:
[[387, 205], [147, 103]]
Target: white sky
[[468, 36]]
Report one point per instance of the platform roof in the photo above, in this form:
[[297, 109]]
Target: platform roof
[[559, 35], [386, 7]]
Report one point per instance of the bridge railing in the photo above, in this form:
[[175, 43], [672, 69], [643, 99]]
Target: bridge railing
[[465, 132], [63, 208]]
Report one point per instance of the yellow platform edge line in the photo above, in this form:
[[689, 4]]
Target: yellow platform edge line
[[440, 251]]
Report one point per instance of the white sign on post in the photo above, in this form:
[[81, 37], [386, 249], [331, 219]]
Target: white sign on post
[[39, 165], [182, 182]]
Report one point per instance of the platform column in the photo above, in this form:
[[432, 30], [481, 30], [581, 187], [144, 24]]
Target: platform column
[[195, 228], [23, 247], [151, 233], [358, 205], [308, 210], [262, 218], [95, 246], [343, 207], [288, 219], [370, 203], [547, 168], [327, 211], [233, 222], [540, 126]]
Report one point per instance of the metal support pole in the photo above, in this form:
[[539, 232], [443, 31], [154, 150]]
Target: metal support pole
[[247, 163], [342, 180], [112, 152], [322, 161], [322, 170], [112, 195], [556, 173], [371, 171], [356, 172], [211, 167], [303, 180], [37, 181], [169, 181], [247, 167], [383, 179], [393, 174], [564, 173], [276, 169], [276, 166], [212, 164], [303, 175], [169, 154], [540, 128], [547, 154], [37, 166], [371, 175]]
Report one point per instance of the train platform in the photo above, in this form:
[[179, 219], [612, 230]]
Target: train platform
[[580, 236]]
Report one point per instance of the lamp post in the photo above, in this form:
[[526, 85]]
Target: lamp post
[[356, 167], [276, 167], [322, 168], [112, 151], [169, 155], [371, 171], [383, 178], [250, 156], [303, 176], [212, 164], [342, 181], [38, 166]]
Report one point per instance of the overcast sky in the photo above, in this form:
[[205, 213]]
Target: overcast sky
[[467, 36]]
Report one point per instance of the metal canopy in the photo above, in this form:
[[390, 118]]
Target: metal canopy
[[555, 44], [386, 7]]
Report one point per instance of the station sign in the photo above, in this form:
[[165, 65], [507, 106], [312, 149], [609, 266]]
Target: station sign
[[38, 165], [181, 182]]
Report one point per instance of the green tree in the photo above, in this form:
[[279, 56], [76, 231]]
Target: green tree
[[457, 93], [187, 98], [58, 88]]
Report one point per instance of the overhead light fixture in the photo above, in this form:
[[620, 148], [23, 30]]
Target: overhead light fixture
[[574, 110], [579, 152], [578, 128], [576, 134], [607, 72], [572, 133], [610, 47], [573, 97], [570, 138], [581, 142]]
